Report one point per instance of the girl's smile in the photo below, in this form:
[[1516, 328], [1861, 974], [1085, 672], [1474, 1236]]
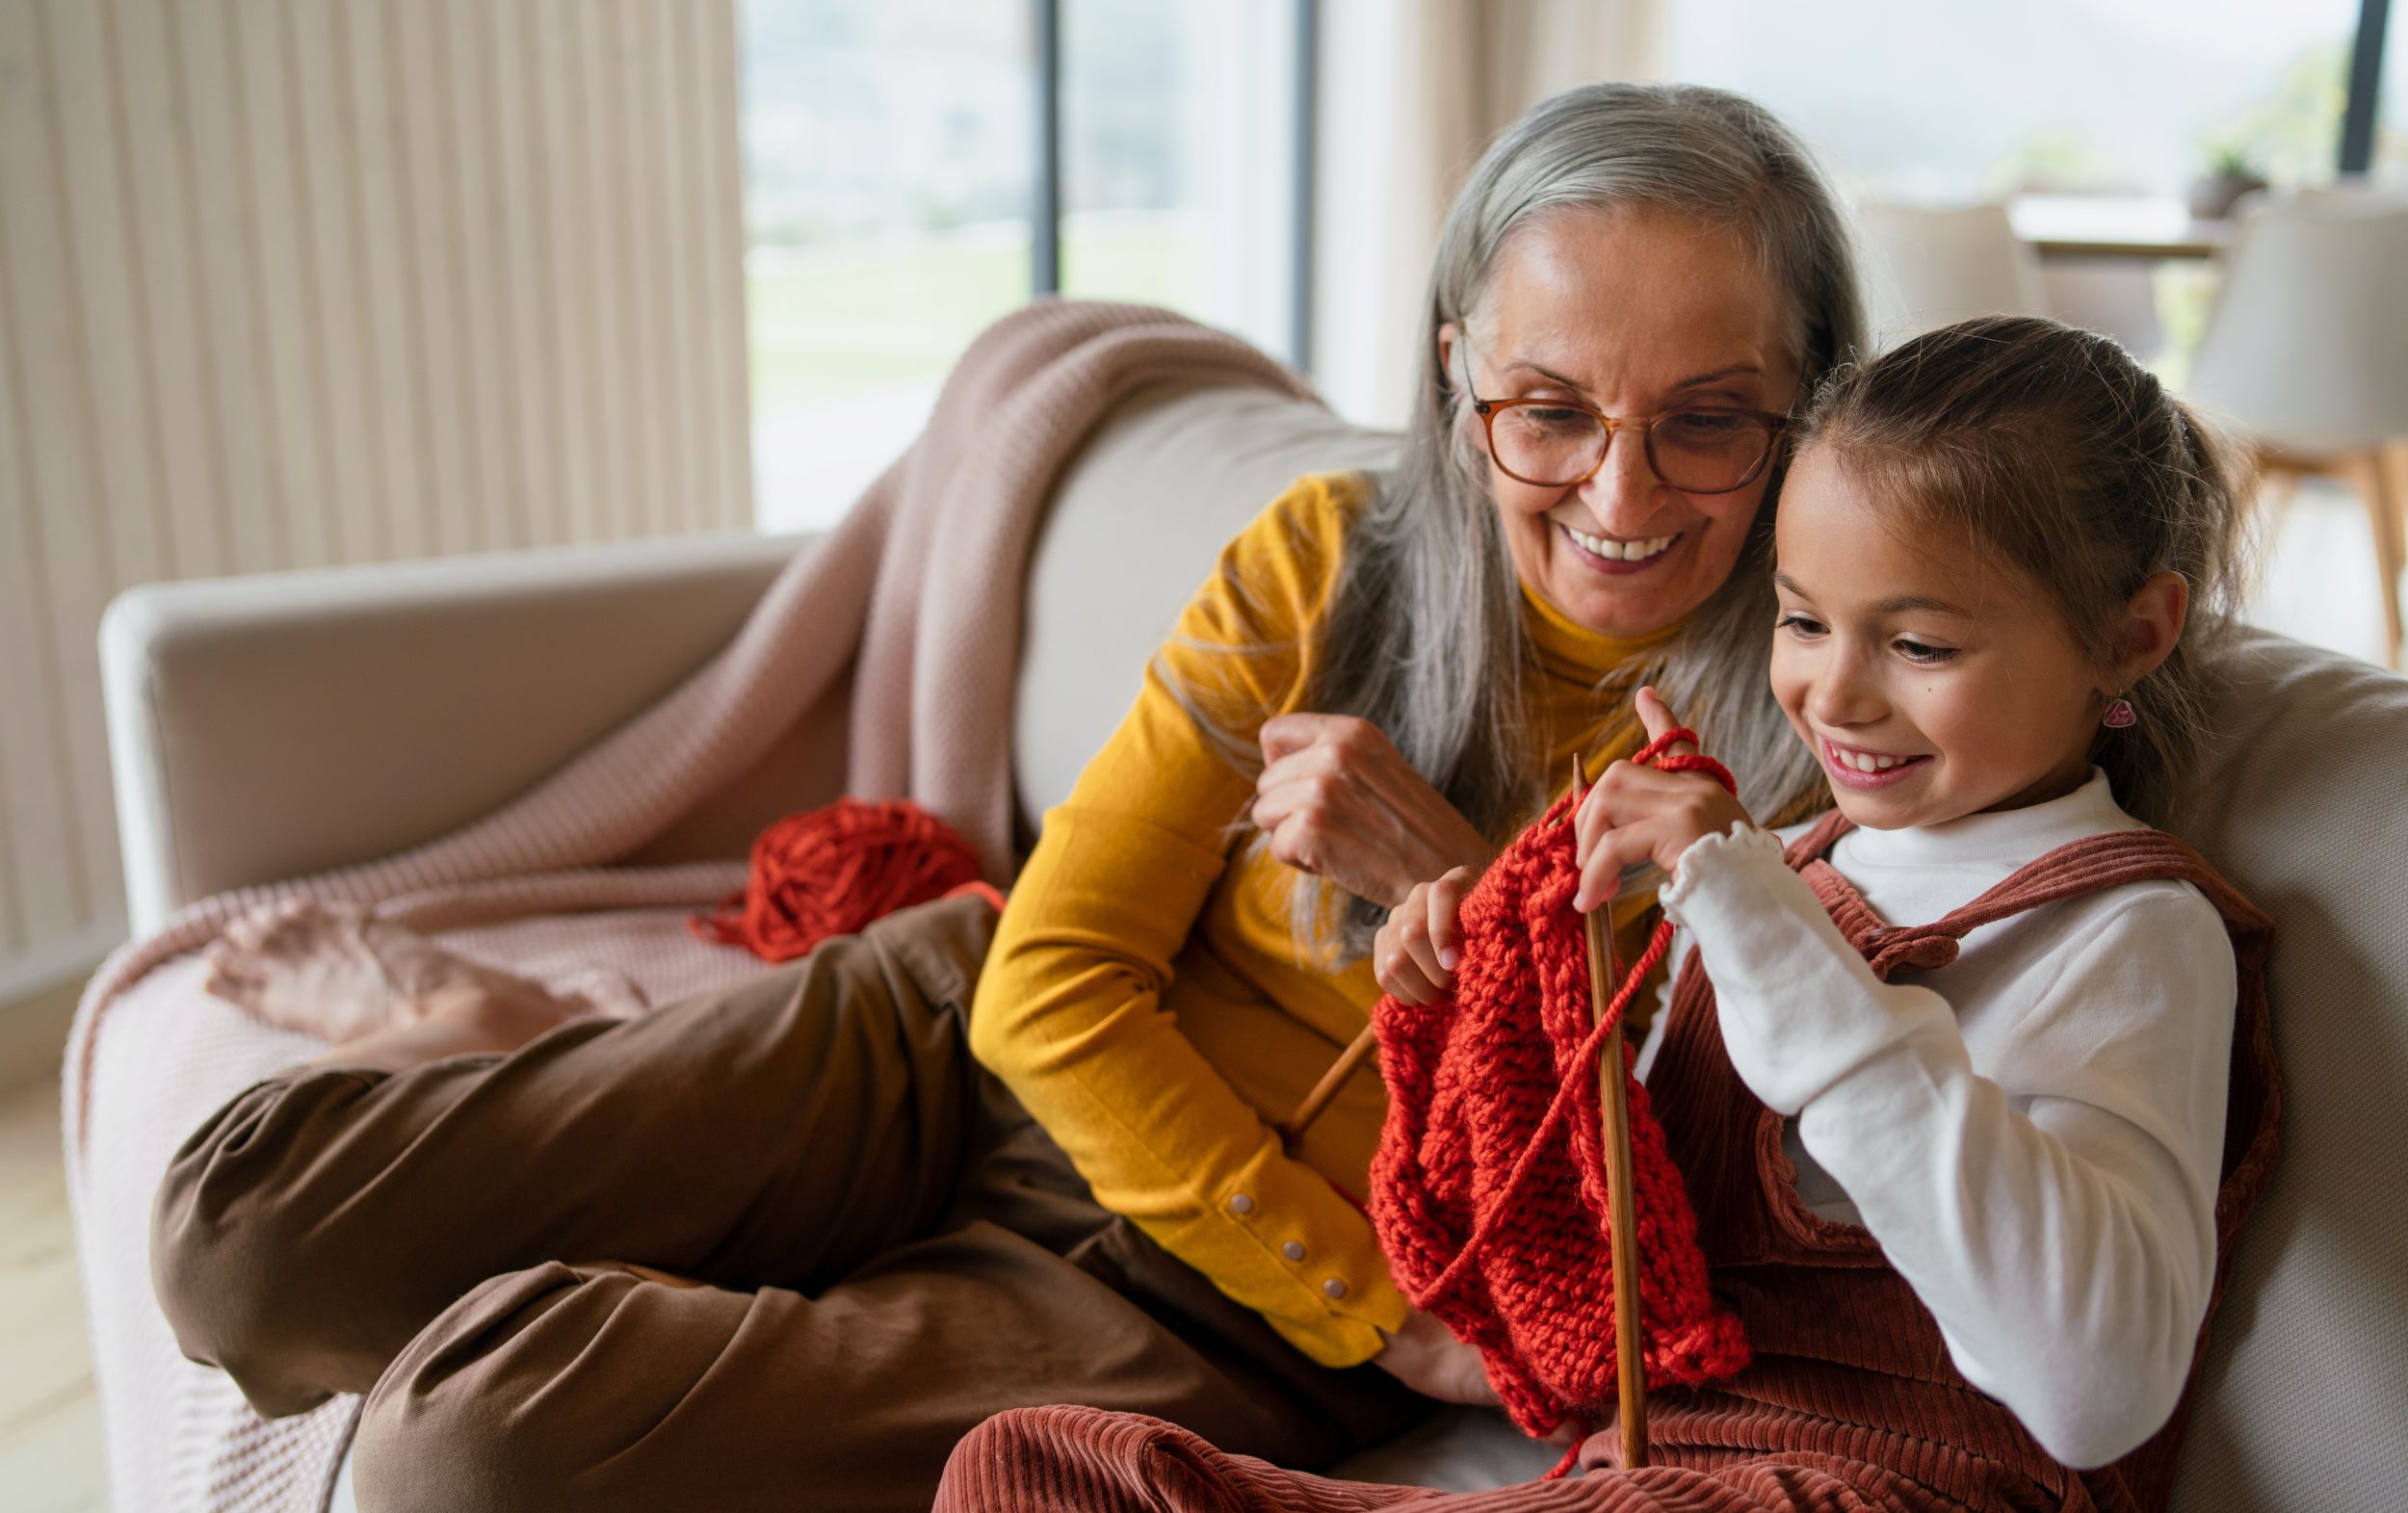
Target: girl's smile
[[1867, 772]]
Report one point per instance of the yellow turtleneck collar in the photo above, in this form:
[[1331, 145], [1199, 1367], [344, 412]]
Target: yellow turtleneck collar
[[1569, 649]]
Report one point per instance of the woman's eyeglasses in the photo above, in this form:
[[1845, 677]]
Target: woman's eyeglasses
[[1558, 443]]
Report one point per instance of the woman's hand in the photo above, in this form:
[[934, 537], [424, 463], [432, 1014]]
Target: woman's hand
[[1433, 1362], [1337, 801], [1636, 814], [1415, 952]]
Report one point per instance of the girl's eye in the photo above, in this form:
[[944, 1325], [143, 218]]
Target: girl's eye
[[1798, 624], [1917, 651]]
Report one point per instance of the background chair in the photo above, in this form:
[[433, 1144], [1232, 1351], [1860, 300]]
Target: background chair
[[2306, 353], [1929, 267]]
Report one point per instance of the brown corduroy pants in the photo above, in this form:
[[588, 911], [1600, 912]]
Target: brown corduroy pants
[[778, 1248]]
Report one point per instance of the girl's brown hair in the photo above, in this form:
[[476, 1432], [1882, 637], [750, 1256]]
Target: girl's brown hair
[[2052, 446]]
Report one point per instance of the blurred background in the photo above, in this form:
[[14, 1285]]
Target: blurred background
[[300, 283]]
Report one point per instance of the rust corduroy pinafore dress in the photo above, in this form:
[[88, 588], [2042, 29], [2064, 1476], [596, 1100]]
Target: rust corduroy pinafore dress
[[1849, 1362]]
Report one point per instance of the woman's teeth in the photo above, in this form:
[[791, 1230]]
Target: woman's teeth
[[1623, 551]]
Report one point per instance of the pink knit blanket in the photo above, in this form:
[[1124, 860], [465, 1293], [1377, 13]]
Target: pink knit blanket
[[929, 639]]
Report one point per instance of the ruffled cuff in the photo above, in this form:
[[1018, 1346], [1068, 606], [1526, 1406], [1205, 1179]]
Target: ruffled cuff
[[1741, 846]]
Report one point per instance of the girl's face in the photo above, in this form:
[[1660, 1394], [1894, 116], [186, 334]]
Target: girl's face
[[1634, 313], [1939, 667]]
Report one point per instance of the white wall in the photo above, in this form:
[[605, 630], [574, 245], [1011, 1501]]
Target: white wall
[[288, 283]]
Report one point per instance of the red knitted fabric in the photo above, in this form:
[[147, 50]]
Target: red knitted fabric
[[1489, 1187], [834, 872]]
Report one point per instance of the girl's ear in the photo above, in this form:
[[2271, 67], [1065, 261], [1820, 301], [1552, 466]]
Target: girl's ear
[[2152, 628]]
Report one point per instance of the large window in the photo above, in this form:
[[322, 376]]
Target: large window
[[1961, 102], [892, 166], [1179, 130], [887, 159]]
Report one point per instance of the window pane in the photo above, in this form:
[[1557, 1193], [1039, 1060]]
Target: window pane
[[887, 163], [1178, 158], [2391, 119], [1963, 102]]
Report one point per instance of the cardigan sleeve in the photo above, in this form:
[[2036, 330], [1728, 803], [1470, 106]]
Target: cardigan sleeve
[[2053, 1207], [1071, 1007]]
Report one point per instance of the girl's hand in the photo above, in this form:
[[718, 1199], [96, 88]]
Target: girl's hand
[[1433, 1362], [1636, 814], [1337, 801], [1414, 953]]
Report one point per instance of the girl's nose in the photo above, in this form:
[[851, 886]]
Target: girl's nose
[[1843, 694]]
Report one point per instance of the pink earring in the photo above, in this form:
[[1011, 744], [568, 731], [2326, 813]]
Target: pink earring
[[2119, 713]]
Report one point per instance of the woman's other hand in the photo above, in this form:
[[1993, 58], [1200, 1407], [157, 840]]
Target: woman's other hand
[[1433, 1362], [1637, 815], [1338, 801], [1415, 952]]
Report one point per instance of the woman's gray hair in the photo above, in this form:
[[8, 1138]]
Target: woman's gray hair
[[1424, 635]]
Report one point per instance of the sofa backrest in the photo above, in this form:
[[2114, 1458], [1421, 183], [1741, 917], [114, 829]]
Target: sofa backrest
[[1133, 531], [2303, 803]]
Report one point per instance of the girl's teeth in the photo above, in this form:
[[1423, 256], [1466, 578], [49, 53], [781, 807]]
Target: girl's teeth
[[1622, 551], [1866, 761]]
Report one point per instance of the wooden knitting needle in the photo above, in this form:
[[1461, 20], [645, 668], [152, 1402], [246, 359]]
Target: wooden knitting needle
[[1292, 1133], [1621, 1219]]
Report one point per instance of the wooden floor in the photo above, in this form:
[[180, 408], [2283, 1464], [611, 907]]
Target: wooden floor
[[50, 1456]]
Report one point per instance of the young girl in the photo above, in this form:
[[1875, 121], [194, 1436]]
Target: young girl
[[1968, 1079]]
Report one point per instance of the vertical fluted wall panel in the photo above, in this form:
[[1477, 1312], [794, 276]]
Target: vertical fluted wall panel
[[289, 283]]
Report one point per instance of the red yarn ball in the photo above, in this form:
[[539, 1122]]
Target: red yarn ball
[[834, 872]]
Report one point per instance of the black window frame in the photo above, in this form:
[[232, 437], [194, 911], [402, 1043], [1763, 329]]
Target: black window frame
[[2366, 88], [1046, 191]]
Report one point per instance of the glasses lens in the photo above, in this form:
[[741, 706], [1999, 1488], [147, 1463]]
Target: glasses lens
[[1707, 452], [1545, 444]]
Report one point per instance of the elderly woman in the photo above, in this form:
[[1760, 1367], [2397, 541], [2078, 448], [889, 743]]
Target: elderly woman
[[844, 1242]]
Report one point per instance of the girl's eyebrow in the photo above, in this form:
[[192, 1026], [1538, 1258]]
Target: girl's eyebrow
[[1901, 603], [1896, 603]]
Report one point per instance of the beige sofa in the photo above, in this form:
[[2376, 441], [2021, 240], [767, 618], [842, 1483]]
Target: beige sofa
[[269, 727]]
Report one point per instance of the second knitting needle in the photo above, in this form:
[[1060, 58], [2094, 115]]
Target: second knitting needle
[[1622, 1224]]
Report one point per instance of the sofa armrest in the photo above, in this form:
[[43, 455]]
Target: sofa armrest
[[276, 725]]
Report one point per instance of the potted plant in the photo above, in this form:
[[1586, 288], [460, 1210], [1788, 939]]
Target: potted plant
[[2231, 173]]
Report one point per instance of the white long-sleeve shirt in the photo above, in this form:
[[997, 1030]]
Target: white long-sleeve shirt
[[2033, 1132]]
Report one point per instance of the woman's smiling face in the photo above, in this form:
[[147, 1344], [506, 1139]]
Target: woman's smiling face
[[1634, 313]]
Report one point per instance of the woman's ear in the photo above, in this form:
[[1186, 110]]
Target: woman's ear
[[2153, 626], [1449, 334]]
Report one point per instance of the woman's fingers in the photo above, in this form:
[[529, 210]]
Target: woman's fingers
[[1286, 735]]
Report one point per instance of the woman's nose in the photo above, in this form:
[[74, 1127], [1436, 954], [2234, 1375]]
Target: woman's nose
[[1621, 494]]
